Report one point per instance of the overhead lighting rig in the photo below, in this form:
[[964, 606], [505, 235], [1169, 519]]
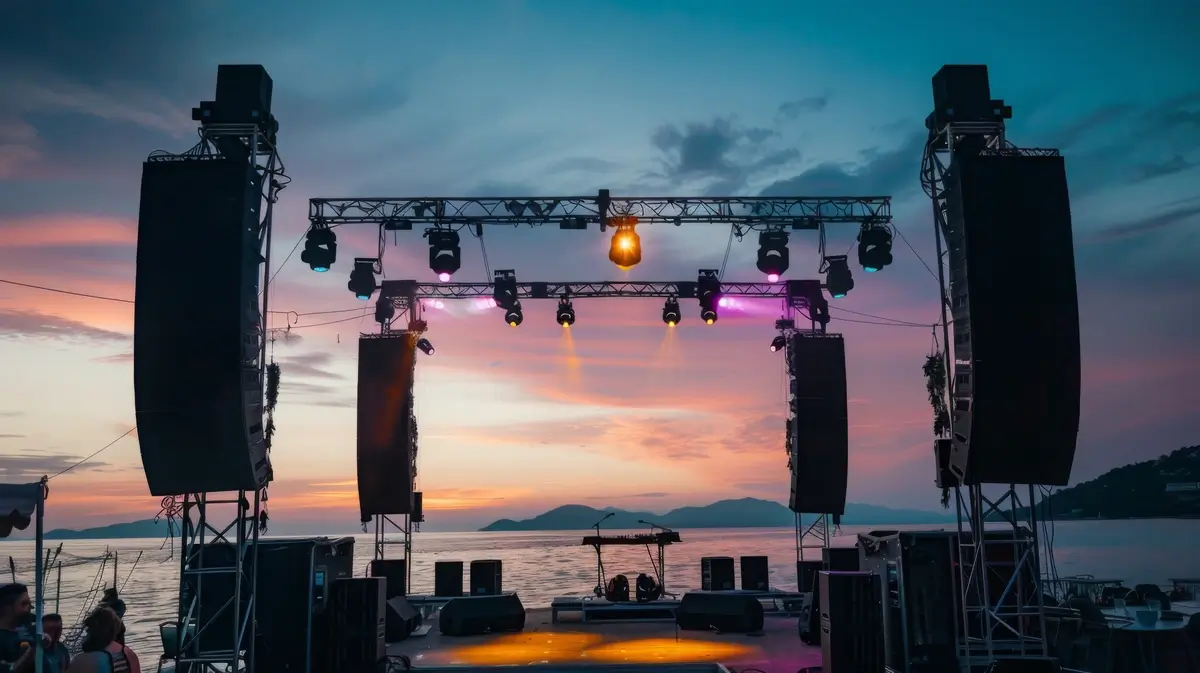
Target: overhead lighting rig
[[425, 346], [874, 246], [445, 257], [566, 312], [708, 290], [670, 313], [320, 249], [362, 278], [773, 257], [838, 279], [778, 343], [804, 296]]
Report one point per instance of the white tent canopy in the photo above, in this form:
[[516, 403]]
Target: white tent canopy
[[18, 503]]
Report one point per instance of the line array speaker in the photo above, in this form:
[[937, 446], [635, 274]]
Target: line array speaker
[[198, 393], [818, 428], [385, 423], [1017, 387]]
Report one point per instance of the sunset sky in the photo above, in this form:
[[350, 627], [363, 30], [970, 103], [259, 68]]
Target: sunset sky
[[559, 98]]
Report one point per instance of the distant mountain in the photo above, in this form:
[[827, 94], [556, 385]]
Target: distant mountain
[[132, 529], [743, 513], [1166, 487]]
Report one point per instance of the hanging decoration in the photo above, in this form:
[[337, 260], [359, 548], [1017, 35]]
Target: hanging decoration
[[935, 385]]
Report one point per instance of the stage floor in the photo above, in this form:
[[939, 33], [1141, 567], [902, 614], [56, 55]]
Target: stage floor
[[777, 649]]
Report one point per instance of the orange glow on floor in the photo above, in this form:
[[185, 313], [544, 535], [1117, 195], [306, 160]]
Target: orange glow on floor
[[549, 648], [526, 648], [667, 650]]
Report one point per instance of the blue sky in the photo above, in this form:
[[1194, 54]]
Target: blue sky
[[651, 98]]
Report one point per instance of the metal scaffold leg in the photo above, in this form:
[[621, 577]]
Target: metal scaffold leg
[[1000, 577], [394, 532], [814, 537], [217, 581]]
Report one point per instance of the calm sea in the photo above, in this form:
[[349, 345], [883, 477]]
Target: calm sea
[[542, 565]]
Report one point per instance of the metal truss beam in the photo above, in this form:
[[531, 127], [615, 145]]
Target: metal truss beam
[[395, 289], [219, 545], [386, 530], [576, 212]]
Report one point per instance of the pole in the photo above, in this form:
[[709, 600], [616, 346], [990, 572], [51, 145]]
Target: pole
[[58, 588], [39, 581]]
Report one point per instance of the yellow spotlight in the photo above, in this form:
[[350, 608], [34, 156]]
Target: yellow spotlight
[[706, 322], [625, 249], [512, 324], [670, 323]]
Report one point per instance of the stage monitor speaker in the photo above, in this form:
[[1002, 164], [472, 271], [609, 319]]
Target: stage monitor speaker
[[198, 394], [402, 619], [820, 434], [806, 574], [487, 578], [727, 613], [716, 573], [357, 618], [394, 571], [477, 615], [447, 578], [1016, 412], [756, 573], [851, 622], [842, 559], [385, 423]]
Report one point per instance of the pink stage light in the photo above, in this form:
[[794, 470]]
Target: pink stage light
[[772, 278], [444, 277], [723, 302]]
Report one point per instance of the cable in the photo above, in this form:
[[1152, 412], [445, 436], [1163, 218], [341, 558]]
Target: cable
[[119, 300], [878, 317], [96, 452]]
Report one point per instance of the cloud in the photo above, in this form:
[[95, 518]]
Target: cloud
[[721, 153], [1150, 224], [10, 436], [793, 109], [309, 365], [881, 172], [41, 325], [32, 466], [115, 359]]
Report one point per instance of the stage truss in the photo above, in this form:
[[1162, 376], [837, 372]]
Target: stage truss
[[231, 518], [576, 212], [1011, 622], [211, 520]]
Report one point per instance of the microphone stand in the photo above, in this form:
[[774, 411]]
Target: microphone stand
[[661, 570], [599, 591]]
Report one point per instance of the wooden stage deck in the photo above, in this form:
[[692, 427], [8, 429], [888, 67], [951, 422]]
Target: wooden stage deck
[[777, 649]]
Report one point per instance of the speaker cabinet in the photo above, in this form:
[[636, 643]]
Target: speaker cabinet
[[395, 572], [477, 615], [727, 613], [851, 622], [716, 573], [447, 578], [385, 423], [487, 578], [818, 428], [756, 573], [198, 395]]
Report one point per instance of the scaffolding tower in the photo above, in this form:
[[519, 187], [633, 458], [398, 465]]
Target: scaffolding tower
[[998, 572]]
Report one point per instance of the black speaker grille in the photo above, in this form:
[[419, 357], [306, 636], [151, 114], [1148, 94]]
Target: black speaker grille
[[820, 462], [385, 380], [1024, 318], [197, 391]]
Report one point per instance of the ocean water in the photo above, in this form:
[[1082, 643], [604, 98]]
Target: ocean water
[[542, 565]]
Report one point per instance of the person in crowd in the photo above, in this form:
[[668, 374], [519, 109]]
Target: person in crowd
[[57, 658], [102, 653], [111, 599], [16, 650]]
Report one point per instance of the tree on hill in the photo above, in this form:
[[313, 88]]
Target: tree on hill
[[1138, 490]]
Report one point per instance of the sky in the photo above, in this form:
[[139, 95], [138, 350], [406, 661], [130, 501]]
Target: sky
[[561, 98]]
